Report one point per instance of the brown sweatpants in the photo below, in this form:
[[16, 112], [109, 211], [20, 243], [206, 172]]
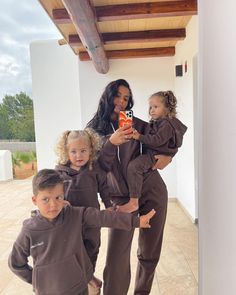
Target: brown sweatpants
[[135, 173], [117, 270], [91, 238]]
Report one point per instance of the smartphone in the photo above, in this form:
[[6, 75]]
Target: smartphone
[[125, 118]]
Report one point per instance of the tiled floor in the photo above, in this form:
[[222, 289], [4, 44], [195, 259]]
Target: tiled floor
[[176, 274]]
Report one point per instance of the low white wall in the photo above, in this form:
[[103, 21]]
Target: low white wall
[[14, 146]]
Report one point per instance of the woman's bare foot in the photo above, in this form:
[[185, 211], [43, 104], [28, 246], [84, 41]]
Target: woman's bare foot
[[129, 207]]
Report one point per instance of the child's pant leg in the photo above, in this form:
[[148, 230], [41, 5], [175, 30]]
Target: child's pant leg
[[117, 270], [91, 238], [135, 173]]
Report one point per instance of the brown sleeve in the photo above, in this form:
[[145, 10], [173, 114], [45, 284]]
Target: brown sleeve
[[92, 217], [162, 135], [18, 258], [107, 155], [103, 188]]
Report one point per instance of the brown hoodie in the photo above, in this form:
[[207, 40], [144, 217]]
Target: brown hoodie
[[163, 136], [60, 262], [84, 185]]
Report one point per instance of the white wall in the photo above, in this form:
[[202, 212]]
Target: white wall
[[66, 93], [56, 97], [185, 52], [145, 76], [217, 201]]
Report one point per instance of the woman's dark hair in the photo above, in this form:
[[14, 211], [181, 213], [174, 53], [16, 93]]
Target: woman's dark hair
[[102, 118]]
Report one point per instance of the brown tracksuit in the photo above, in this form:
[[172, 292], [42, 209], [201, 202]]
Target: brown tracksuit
[[82, 188], [60, 262], [163, 137], [154, 195]]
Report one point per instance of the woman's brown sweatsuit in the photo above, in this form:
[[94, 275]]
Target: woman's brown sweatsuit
[[154, 195]]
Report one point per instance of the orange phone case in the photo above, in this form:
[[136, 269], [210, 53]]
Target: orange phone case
[[125, 117]]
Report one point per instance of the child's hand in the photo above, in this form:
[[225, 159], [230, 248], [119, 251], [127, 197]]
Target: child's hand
[[145, 219], [162, 161], [136, 134]]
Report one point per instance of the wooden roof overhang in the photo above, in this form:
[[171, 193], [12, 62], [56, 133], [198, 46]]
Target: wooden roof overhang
[[100, 30]]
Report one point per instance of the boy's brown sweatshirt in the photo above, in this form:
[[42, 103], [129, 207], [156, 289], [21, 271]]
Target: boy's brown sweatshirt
[[60, 262], [84, 185]]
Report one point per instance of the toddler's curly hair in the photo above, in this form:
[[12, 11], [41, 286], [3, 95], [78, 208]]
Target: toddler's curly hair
[[169, 100], [92, 139]]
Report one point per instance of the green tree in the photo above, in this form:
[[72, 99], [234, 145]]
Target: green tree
[[17, 118], [5, 131]]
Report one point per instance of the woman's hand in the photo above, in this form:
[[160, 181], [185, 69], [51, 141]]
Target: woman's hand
[[162, 161], [122, 135], [136, 134], [129, 207]]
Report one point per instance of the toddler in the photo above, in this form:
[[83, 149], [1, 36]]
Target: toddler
[[164, 135], [77, 152]]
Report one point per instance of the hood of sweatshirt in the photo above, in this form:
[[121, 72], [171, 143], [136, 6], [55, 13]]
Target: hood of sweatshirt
[[179, 128], [39, 223], [68, 170]]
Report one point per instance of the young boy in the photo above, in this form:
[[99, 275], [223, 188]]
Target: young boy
[[53, 237]]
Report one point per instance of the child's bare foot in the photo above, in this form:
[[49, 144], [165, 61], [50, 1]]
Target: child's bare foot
[[129, 207], [95, 282]]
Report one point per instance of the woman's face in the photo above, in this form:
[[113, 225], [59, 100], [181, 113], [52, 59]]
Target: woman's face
[[121, 100]]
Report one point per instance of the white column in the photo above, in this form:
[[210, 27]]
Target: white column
[[56, 96], [217, 197]]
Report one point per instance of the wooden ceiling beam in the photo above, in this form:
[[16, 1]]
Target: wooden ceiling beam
[[135, 11], [144, 36], [61, 16], [146, 10], [134, 37], [82, 16], [134, 53]]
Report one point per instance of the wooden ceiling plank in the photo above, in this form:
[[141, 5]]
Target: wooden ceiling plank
[[134, 37], [135, 11], [134, 53], [146, 10], [144, 36], [81, 14]]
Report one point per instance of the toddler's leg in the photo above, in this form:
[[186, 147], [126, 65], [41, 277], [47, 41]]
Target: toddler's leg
[[135, 173]]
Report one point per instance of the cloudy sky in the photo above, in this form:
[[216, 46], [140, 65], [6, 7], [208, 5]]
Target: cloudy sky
[[21, 22]]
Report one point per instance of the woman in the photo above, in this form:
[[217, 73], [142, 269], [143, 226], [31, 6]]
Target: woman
[[116, 154]]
